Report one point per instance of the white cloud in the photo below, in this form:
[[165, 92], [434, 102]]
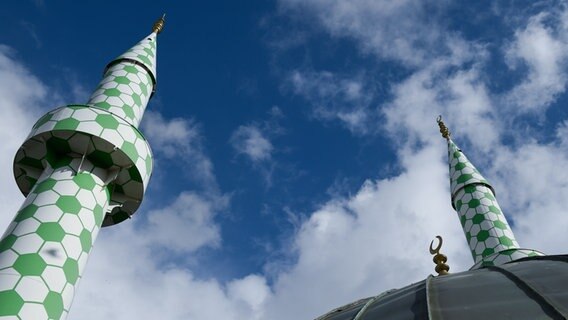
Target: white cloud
[[531, 183], [254, 142], [180, 139], [185, 225], [404, 31], [335, 97], [251, 292], [461, 97], [542, 47], [22, 97], [126, 280], [408, 32], [250, 141], [562, 134], [172, 137], [445, 65]]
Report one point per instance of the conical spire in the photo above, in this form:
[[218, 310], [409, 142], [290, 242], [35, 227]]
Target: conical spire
[[129, 81], [489, 236], [462, 172]]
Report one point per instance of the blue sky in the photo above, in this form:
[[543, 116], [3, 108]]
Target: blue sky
[[298, 163]]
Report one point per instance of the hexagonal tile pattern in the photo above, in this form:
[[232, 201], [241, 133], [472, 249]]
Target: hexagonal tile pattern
[[44, 257], [143, 52], [128, 83], [487, 231], [123, 96], [107, 140], [12, 303], [496, 258], [462, 172], [109, 143]]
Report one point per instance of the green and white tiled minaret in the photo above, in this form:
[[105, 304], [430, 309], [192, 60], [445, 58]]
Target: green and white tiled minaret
[[486, 229], [82, 167]]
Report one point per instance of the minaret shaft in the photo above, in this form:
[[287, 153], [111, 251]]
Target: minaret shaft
[[44, 251], [123, 92], [486, 228]]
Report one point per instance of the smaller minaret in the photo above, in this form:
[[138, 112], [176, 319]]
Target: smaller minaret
[[486, 229]]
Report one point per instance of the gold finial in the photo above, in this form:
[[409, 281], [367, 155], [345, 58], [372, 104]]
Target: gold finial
[[159, 24], [443, 129], [439, 259]]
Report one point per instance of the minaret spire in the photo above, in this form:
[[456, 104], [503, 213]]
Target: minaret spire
[[489, 236], [83, 167], [135, 68]]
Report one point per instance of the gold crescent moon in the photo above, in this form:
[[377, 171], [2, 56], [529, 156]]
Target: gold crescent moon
[[437, 250]]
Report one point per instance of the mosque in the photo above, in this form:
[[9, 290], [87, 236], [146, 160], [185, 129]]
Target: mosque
[[86, 166], [505, 281]]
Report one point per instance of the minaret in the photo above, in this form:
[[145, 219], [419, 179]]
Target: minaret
[[486, 229], [82, 167]]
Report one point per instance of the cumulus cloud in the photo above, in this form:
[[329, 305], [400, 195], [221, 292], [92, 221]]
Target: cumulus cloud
[[23, 96], [190, 214], [126, 280], [403, 31], [532, 185], [461, 97], [249, 140], [541, 46], [251, 292], [253, 141], [336, 97], [180, 139]]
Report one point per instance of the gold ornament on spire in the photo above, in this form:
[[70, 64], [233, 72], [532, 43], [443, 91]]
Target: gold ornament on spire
[[439, 259], [159, 24], [443, 129]]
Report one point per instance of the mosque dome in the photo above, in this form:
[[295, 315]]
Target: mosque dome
[[528, 288]]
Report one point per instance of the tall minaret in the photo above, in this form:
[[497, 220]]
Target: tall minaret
[[486, 229], [81, 167]]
